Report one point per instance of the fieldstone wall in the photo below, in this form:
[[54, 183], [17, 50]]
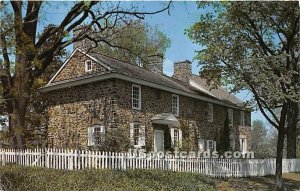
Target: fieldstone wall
[[192, 115], [71, 111], [76, 68], [108, 103]]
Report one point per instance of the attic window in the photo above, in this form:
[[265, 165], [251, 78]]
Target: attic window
[[88, 66]]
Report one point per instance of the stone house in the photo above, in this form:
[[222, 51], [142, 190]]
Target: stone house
[[92, 94]]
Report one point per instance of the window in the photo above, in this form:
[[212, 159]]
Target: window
[[210, 112], [176, 137], [175, 105], [96, 135], [242, 118], [137, 135], [211, 145], [230, 117], [136, 97], [88, 66]]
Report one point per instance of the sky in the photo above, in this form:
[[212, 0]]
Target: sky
[[173, 23]]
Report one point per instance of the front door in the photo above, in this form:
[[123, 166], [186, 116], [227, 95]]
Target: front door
[[158, 140]]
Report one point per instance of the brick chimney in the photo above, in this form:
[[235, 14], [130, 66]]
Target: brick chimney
[[183, 71], [155, 63], [85, 44]]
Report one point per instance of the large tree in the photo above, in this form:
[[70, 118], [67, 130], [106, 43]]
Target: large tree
[[25, 56], [135, 42], [255, 46]]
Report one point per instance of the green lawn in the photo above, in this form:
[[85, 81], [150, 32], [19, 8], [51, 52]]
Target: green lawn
[[291, 182], [36, 179]]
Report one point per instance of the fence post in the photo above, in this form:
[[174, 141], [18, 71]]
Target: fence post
[[3, 157]]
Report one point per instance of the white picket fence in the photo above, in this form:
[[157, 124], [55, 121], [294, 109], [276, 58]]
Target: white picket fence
[[81, 159]]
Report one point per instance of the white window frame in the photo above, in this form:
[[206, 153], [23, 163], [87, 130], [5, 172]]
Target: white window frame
[[92, 135], [137, 138], [210, 112], [87, 69], [175, 111], [176, 137], [230, 117], [242, 118], [139, 107], [208, 146]]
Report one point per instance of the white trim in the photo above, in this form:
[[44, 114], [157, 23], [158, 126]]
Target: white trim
[[60, 69], [197, 86], [90, 79], [68, 59], [86, 69], [177, 109], [140, 96], [91, 57]]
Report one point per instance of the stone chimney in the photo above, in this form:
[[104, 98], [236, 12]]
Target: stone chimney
[[183, 71], [84, 44], [155, 63]]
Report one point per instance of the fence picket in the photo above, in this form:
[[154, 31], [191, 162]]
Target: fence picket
[[81, 159]]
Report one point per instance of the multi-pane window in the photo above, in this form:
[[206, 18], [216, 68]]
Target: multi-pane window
[[136, 134], [210, 145], [96, 135], [175, 105], [88, 66], [136, 97], [242, 118], [99, 135], [176, 137], [210, 112], [230, 117]]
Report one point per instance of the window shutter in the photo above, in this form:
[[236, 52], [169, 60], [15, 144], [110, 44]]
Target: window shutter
[[241, 144], [131, 131], [180, 137], [90, 136], [201, 144], [215, 145], [142, 136], [172, 137]]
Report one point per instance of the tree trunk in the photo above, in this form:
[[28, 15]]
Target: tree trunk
[[292, 119], [18, 123], [278, 176]]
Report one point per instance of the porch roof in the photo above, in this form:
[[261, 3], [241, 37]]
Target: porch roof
[[165, 119]]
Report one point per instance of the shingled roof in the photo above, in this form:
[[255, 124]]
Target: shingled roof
[[134, 71]]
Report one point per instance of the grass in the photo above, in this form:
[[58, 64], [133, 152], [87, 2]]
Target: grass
[[31, 178], [291, 182]]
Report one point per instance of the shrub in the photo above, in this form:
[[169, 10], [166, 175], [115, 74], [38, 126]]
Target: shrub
[[32, 178]]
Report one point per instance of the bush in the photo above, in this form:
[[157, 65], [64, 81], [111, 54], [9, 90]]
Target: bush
[[33, 178]]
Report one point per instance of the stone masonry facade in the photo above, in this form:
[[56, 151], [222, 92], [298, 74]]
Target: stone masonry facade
[[109, 103]]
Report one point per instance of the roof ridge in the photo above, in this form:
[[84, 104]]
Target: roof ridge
[[130, 64]]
